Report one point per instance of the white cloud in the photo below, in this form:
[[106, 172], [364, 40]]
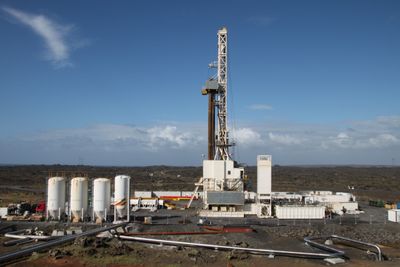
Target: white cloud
[[247, 137], [53, 34], [342, 140], [284, 139], [383, 140], [374, 141], [361, 141], [172, 136], [260, 107], [117, 137], [389, 121]]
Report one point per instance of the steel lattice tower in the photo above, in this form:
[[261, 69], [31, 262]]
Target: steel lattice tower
[[222, 141]]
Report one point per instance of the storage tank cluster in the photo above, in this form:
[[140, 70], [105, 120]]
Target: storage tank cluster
[[78, 207]]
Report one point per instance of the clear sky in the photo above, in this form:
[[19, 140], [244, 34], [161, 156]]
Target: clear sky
[[118, 82]]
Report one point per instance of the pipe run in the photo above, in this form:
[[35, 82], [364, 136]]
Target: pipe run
[[51, 243], [337, 253], [18, 235], [379, 251], [310, 241], [17, 242]]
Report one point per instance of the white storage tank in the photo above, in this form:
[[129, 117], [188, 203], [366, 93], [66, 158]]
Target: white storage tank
[[78, 198], [55, 197], [101, 198], [121, 197]]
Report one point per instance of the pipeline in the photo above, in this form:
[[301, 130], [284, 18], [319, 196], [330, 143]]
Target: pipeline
[[174, 233], [17, 242], [309, 241], [17, 235], [229, 229], [361, 243], [210, 231], [5, 228], [336, 253], [56, 242]]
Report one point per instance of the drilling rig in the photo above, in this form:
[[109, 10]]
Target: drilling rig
[[222, 179]]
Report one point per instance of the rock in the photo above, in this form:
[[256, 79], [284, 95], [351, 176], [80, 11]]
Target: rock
[[99, 243], [194, 253], [56, 253], [223, 243], [34, 256], [116, 247], [242, 244], [91, 251], [237, 255], [82, 242]]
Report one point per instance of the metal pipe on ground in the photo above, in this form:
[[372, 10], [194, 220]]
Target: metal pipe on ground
[[10, 227], [210, 231], [19, 235], [17, 242], [56, 242], [174, 233], [15, 235], [337, 253], [309, 241], [379, 251]]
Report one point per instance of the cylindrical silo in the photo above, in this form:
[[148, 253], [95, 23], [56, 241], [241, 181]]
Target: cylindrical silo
[[101, 198], [79, 198], [121, 197], [55, 197]]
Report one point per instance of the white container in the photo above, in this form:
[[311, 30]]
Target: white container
[[3, 212], [55, 197], [79, 198], [394, 215], [101, 198], [167, 193], [121, 196], [339, 207], [300, 212], [330, 198], [143, 194]]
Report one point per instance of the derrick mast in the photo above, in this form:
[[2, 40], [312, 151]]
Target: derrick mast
[[222, 142], [216, 89]]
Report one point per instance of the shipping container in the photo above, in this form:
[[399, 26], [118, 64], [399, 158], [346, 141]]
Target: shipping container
[[394, 215], [143, 194], [300, 212], [343, 207]]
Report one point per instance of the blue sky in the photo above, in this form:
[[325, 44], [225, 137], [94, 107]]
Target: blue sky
[[118, 83]]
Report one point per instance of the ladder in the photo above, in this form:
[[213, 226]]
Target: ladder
[[198, 184]]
